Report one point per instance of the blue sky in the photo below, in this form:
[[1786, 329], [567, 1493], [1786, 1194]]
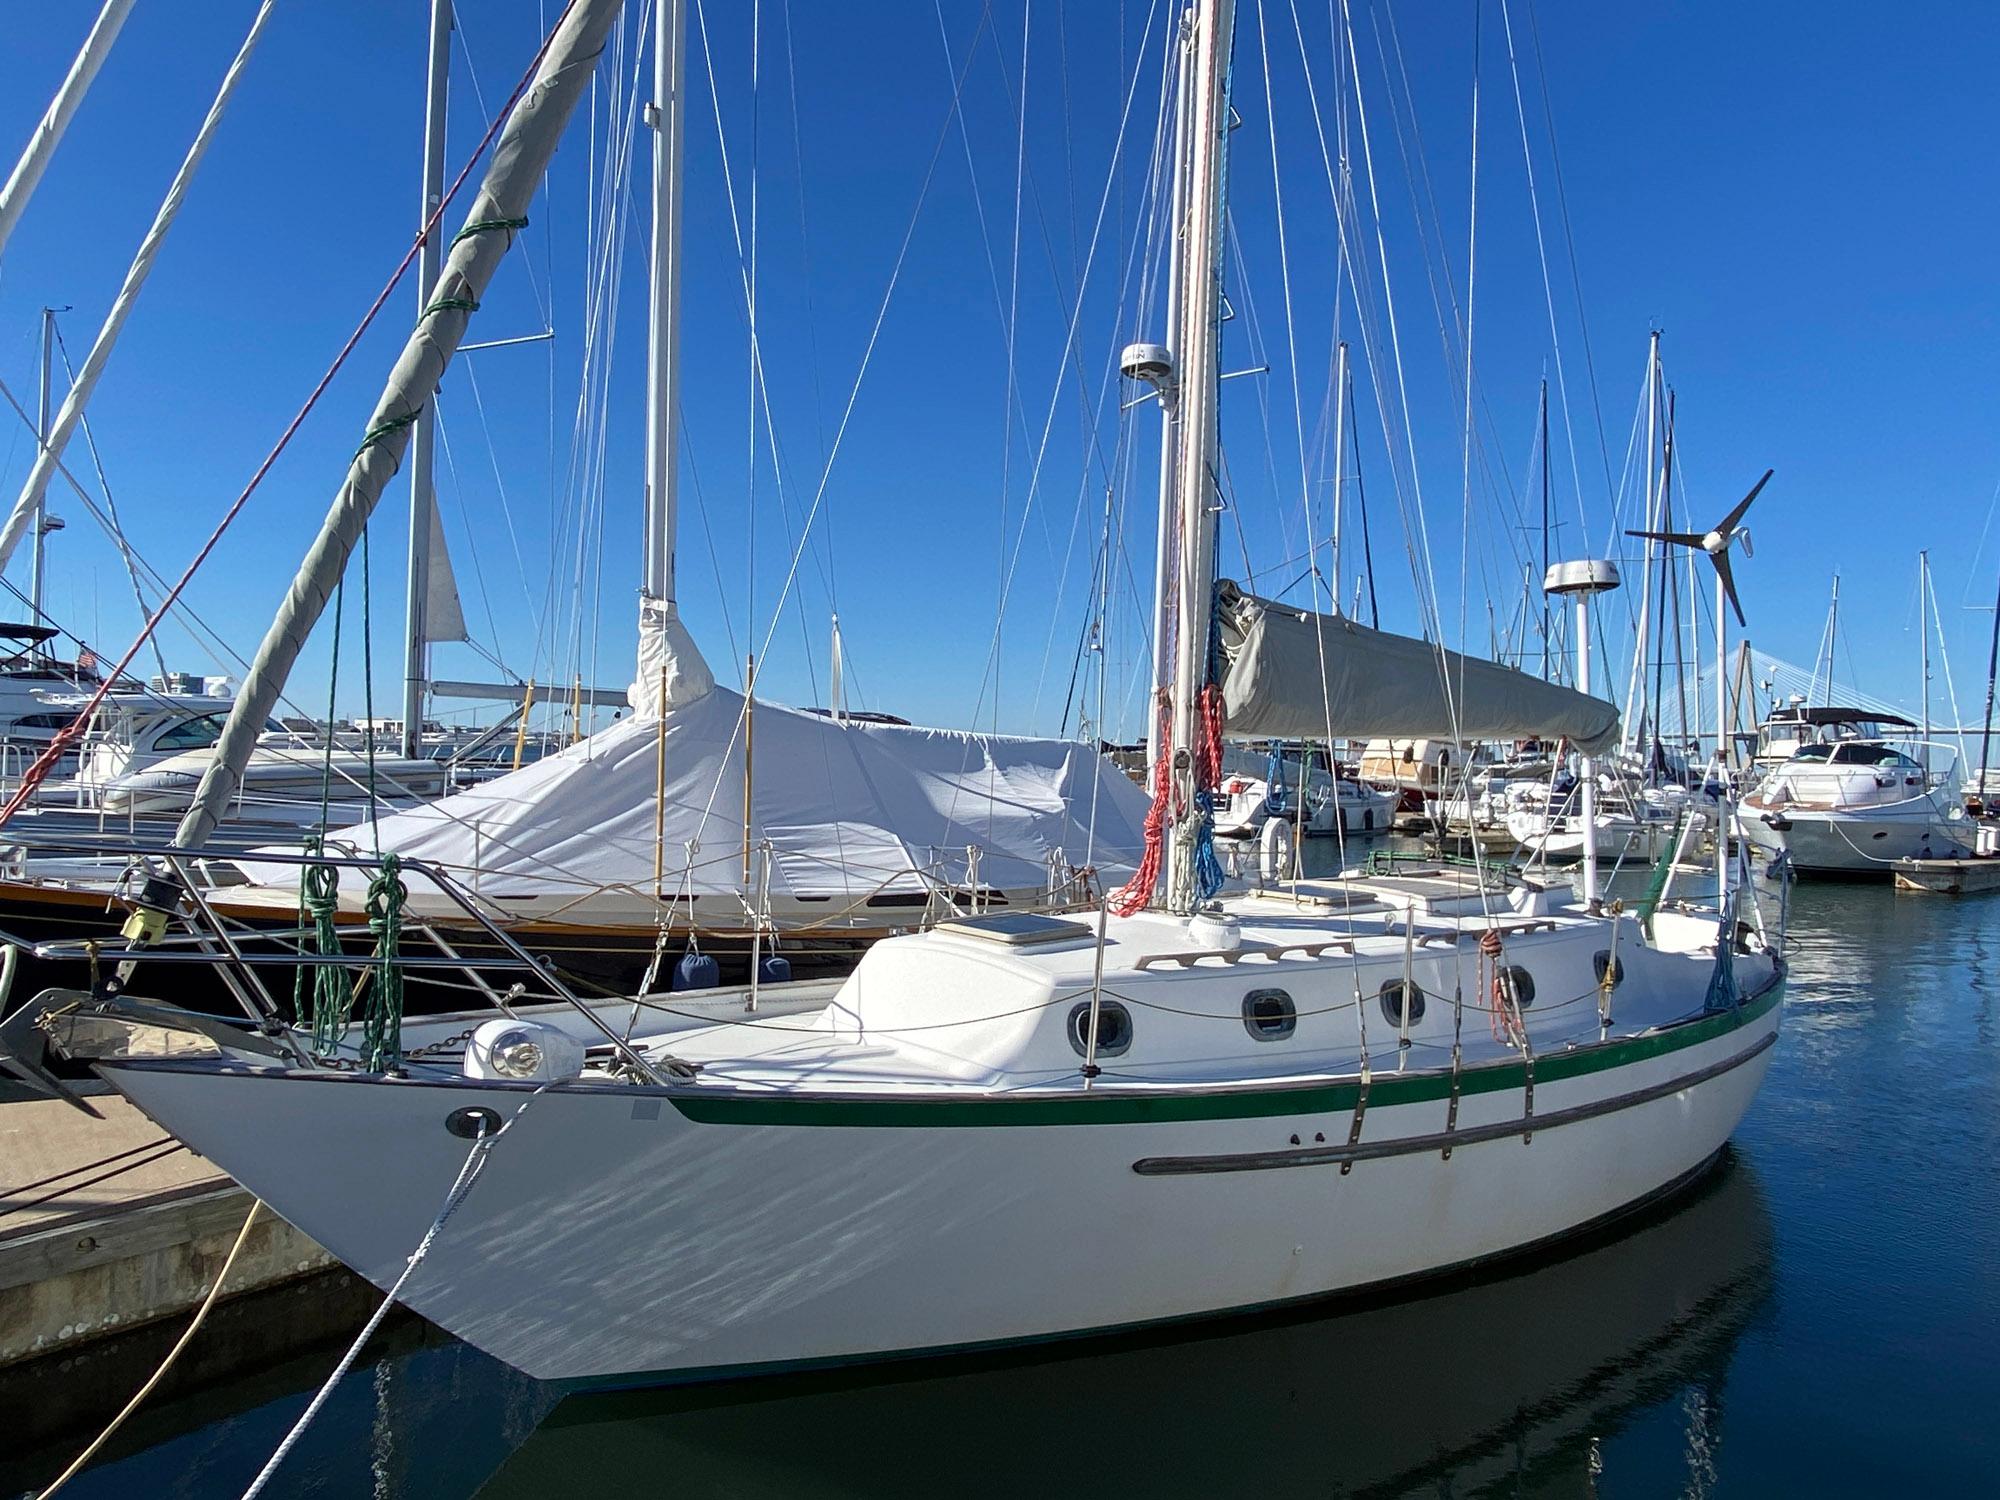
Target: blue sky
[[1803, 197]]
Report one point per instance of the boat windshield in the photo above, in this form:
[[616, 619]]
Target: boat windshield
[[1812, 752], [1871, 755]]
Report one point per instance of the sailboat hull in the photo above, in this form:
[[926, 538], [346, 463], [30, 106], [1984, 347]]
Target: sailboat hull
[[624, 1235]]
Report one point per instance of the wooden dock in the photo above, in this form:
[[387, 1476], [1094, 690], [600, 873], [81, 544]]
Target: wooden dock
[[1949, 877], [107, 1224]]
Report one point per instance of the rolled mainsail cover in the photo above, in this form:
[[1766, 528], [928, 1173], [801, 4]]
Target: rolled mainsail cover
[[514, 174], [1292, 674]]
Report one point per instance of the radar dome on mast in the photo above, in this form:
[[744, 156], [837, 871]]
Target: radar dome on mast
[[1152, 363]]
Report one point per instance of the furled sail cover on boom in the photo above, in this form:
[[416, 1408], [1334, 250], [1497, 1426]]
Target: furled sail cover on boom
[[1376, 685], [851, 810]]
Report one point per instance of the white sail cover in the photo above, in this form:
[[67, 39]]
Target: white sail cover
[[671, 673], [1293, 674], [850, 809]]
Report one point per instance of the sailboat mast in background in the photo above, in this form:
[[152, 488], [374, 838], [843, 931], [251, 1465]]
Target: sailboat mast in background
[[39, 547], [423, 436]]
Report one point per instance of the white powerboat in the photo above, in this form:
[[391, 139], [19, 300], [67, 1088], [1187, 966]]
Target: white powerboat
[[1336, 802], [1854, 807]]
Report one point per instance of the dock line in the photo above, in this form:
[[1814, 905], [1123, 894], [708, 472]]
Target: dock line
[[461, 1187], [186, 1338]]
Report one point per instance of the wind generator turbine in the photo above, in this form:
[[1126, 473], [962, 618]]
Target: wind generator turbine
[[1716, 544]]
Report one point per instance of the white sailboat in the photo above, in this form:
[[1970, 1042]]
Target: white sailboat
[[1014, 1128]]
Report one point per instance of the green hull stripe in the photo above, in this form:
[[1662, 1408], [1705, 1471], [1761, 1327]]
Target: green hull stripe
[[1109, 1106]]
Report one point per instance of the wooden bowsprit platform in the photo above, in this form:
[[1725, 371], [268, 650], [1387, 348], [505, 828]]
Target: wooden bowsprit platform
[[1949, 877]]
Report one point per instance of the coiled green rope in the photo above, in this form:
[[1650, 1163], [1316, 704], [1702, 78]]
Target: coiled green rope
[[382, 1029], [319, 897]]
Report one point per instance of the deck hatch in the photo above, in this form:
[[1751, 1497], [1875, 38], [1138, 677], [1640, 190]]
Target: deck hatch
[[1016, 929]]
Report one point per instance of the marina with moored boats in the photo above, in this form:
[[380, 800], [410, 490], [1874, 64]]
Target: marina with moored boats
[[1342, 968]]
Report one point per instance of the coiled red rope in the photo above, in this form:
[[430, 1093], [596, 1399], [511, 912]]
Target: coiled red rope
[[1134, 895]]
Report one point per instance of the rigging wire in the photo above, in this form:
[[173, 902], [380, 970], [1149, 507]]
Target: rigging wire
[[64, 738], [1569, 240], [110, 503], [989, 676], [853, 394], [1548, 288]]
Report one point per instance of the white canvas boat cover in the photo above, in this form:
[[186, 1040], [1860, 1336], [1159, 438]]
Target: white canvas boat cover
[[850, 809], [1292, 674], [671, 671]]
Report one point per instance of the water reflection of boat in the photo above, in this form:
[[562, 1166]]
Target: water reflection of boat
[[1518, 1377]]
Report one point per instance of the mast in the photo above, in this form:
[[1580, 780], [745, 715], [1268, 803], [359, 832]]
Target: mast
[[1167, 385], [423, 495], [1635, 687], [520, 156], [1545, 531], [671, 669], [1198, 349], [667, 117], [1361, 510], [41, 148], [1670, 591], [1722, 803], [40, 512], [1583, 580], [1986, 726], [1924, 634], [1339, 460]]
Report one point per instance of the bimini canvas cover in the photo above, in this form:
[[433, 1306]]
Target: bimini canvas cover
[[850, 810], [1292, 674]]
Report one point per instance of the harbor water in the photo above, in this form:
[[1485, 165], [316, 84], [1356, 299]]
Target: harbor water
[[1821, 1316]]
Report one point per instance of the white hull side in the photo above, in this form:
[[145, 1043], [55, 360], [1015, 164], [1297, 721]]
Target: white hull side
[[611, 1237], [1847, 843]]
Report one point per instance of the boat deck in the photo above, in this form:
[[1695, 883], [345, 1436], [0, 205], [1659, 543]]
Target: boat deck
[[964, 1008]]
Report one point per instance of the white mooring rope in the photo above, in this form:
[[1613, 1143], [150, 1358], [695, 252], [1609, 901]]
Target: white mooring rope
[[468, 1174]]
